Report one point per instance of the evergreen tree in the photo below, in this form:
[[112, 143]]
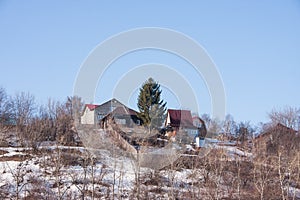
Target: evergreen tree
[[152, 108]]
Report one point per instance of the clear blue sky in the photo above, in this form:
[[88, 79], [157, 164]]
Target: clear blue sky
[[255, 45]]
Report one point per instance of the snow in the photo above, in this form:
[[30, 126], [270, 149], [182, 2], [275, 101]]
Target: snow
[[33, 168], [109, 169], [234, 151], [294, 191], [118, 170]]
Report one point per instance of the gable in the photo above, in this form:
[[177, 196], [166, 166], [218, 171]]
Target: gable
[[180, 118], [89, 107], [278, 136], [278, 131], [108, 107]]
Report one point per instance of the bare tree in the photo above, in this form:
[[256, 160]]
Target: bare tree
[[288, 116], [18, 175], [206, 118], [75, 106], [215, 164], [261, 174], [229, 125], [295, 173], [243, 131], [63, 123], [23, 105], [83, 180], [5, 108], [214, 126]]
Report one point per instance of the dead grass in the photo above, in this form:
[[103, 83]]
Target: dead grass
[[2, 152], [18, 158]]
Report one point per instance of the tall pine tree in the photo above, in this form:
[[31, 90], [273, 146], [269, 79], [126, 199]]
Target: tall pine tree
[[152, 108]]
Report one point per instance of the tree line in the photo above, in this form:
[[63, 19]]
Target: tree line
[[271, 173], [152, 112], [54, 121], [33, 123]]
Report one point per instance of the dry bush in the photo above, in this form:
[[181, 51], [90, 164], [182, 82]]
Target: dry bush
[[38, 189]]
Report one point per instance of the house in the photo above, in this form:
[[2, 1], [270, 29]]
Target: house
[[89, 115], [121, 115], [181, 120], [93, 114], [275, 138]]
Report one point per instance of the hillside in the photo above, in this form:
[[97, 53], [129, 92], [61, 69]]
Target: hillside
[[69, 172]]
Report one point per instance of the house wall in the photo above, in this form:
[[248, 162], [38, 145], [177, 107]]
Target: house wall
[[88, 116], [106, 108], [120, 121], [168, 120], [126, 120], [96, 116], [192, 132]]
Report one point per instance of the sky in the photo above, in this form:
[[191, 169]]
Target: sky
[[255, 46]]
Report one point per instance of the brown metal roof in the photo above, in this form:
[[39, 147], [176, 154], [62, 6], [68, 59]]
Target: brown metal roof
[[123, 110], [181, 118]]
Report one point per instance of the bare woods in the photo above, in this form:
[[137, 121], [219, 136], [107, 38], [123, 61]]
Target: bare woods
[[246, 162], [35, 123]]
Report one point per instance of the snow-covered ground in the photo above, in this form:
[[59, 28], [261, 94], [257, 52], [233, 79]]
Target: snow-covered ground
[[47, 169], [49, 174], [234, 151], [74, 172]]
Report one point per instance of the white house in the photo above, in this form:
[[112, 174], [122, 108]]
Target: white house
[[89, 115], [93, 114]]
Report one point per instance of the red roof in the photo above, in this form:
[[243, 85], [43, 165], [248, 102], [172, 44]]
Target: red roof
[[181, 118], [91, 106]]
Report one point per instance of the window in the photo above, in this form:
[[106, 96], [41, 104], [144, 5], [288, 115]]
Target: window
[[121, 121], [100, 116]]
